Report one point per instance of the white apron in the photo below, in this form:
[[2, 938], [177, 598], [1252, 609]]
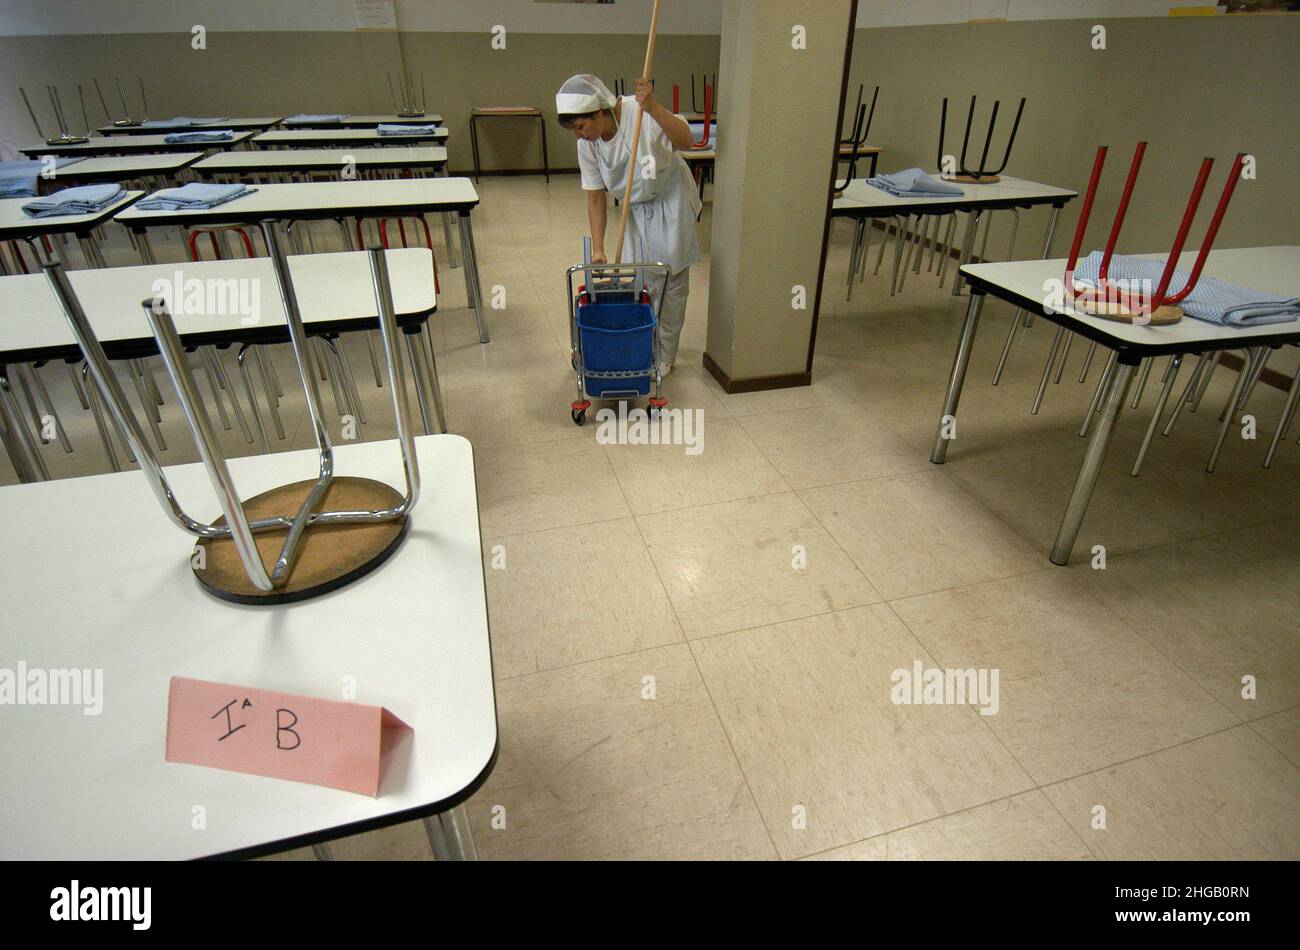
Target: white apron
[[661, 223]]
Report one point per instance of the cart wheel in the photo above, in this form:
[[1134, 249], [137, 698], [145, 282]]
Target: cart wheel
[[579, 416]]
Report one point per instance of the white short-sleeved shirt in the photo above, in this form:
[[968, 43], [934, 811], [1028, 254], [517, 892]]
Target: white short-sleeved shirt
[[600, 163]]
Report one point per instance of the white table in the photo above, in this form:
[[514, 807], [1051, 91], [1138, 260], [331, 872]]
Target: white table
[[17, 226], [306, 160], [335, 296], [364, 121], [336, 201], [125, 167], [324, 138], [862, 202], [132, 145], [1027, 283], [413, 635], [255, 124]]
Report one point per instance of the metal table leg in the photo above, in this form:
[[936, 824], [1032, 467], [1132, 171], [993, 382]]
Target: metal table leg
[[473, 285], [967, 249], [958, 378], [142, 245], [26, 460], [1090, 470], [1171, 375], [450, 836]]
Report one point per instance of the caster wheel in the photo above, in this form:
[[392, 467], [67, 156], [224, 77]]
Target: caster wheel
[[579, 416]]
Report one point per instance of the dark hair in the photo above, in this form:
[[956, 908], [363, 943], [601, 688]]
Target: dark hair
[[567, 120]]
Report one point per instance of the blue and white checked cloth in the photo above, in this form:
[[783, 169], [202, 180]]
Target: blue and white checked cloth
[[19, 179], [390, 129], [180, 121], [86, 199], [1213, 301], [196, 196], [914, 183], [216, 135], [303, 117]]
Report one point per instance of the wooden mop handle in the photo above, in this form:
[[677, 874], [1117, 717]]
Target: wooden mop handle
[[636, 139]]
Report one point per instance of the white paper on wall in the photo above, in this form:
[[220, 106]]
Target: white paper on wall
[[375, 14]]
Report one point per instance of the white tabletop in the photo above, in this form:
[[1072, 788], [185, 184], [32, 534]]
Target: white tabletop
[[360, 121], [862, 197], [325, 199], [1272, 269], [413, 636], [411, 156], [13, 223], [128, 144], [331, 288], [256, 122], [344, 136], [113, 167]]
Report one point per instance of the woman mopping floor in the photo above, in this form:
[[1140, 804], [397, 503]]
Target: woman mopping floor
[[664, 203]]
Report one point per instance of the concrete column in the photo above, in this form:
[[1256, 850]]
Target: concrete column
[[782, 84]]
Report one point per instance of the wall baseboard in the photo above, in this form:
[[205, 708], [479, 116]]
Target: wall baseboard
[[754, 384]]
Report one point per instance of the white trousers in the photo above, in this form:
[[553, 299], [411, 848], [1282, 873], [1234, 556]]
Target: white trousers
[[672, 314]]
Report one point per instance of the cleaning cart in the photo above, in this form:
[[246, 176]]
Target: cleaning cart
[[614, 332]]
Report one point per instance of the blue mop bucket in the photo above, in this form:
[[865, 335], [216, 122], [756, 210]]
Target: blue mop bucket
[[617, 338]]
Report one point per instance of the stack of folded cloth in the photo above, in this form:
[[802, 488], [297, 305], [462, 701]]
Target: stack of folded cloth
[[914, 183], [19, 179], [303, 118], [181, 121], [196, 196], [86, 199], [1213, 301], [180, 138], [388, 129]]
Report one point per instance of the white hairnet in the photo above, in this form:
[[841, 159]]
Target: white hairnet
[[583, 93]]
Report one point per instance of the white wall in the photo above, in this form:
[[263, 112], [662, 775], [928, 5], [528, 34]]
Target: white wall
[[886, 13]]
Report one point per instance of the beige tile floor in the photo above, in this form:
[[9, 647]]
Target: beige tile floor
[[674, 681]]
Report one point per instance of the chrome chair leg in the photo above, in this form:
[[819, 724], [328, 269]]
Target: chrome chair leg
[[1047, 370], [1142, 382], [884, 239], [1228, 417], [98, 414], [1171, 375], [1187, 392], [76, 385], [229, 387], [272, 404], [252, 399], [43, 395], [146, 405], [1111, 362], [205, 360], [1199, 393], [1288, 411], [1065, 353], [1087, 361], [946, 253]]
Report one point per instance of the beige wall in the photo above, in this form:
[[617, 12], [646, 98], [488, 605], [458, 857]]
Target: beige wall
[[288, 72], [1190, 86]]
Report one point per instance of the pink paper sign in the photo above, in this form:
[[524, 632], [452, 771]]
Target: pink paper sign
[[261, 732]]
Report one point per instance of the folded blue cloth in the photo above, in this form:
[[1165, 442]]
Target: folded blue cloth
[[196, 196], [24, 187], [389, 129], [181, 121], [86, 199], [180, 138], [914, 183], [303, 117], [1213, 301]]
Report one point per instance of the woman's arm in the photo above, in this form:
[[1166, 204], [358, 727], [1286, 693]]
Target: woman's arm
[[596, 218], [678, 132]]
